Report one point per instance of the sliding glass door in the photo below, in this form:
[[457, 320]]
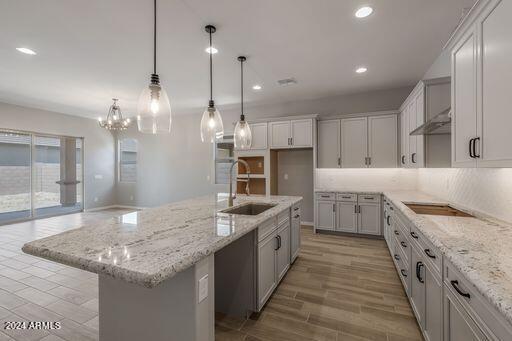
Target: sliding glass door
[[41, 175]]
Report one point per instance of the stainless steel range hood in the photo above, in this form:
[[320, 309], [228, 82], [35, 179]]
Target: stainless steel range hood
[[437, 125]]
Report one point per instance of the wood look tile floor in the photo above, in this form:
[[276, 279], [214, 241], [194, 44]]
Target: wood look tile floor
[[340, 288]]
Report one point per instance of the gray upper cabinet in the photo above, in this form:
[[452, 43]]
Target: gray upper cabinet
[[354, 142], [411, 117], [480, 86], [382, 141], [359, 142], [291, 134], [259, 135], [329, 144]]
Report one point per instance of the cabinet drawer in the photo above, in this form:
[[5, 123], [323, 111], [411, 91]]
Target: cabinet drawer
[[296, 208], [326, 196], [283, 217], [368, 198], [347, 197], [266, 228], [432, 254], [403, 269]]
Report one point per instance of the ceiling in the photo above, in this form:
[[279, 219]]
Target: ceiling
[[91, 51]]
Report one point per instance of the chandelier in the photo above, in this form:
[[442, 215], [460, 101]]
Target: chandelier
[[115, 120]]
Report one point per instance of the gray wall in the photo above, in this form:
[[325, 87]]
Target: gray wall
[[178, 166], [99, 145]]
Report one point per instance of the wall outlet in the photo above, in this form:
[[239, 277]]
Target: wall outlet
[[95, 199], [203, 289], [286, 176]]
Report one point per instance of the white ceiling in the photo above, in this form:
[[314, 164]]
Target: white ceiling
[[90, 51]]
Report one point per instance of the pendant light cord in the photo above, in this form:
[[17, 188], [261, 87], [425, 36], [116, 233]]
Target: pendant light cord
[[154, 37], [211, 68], [242, 89]]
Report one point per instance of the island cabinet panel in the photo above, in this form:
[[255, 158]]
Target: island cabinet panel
[[295, 232], [283, 250], [267, 268]]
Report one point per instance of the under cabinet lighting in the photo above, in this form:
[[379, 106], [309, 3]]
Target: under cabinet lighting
[[362, 69], [256, 87], [26, 50], [363, 12]]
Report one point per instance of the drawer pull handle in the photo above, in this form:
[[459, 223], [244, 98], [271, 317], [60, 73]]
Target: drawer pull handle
[[455, 285], [297, 216], [296, 209], [346, 197], [428, 253], [396, 232], [397, 257], [391, 208], [403, 272], [277, 246], [403, 244], [419, 265], [325, 196], [414, 235], [369, 198], [387, 220]]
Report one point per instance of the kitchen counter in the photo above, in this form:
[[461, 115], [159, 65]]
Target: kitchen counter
[[480, 247], [150, 246]]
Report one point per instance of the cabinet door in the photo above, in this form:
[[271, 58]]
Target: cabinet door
[[458, 325], [295, 236], [302, 133], [418, 286], [419, 103], [283, 251], [259, 135], [494, 116], [464, 113], [369, 218], [266, 268], [354, 142], [329, 144], [382, 141], [413, 153], [404, 126], [280, 134], [325, 215], [433, 326], [347, 217]]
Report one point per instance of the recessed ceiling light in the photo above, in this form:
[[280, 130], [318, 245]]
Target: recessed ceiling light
[[26, 50], [213, 50], [362, 69], [363, 12], [256, 87]]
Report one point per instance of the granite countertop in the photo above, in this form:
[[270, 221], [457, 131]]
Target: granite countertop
[[149, 246], [480, 247]]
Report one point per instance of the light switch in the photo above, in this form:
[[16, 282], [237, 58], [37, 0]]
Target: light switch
[[286, 176], [203, 289]]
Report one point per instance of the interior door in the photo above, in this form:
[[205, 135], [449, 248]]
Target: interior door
[[280, 134], [325, 215], [464, 102], [354, 142], [382, 141], [495, 118], [347, 217], [329, 144], [259, 135], [302, 133]]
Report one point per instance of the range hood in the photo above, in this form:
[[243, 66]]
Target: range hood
[[437, 125]]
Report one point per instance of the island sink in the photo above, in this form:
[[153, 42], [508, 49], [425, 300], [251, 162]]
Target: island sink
[[249, 209]]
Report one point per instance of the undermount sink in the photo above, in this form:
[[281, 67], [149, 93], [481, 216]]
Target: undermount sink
[[249, 209], [431, 209]]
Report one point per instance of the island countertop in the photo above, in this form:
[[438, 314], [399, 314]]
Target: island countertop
[[149, 246]]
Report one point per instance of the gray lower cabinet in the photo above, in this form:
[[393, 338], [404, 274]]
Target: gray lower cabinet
[[433, 325], [369, 218], [458, 325], [283, 250], [326, 215], [295, 233], [346, 217], [267, 265], [418, 286]]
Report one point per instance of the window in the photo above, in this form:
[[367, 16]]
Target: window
[[128, 160], [224, 158]]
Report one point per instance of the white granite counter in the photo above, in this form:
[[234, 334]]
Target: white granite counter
[[480, 248], [152, 245]]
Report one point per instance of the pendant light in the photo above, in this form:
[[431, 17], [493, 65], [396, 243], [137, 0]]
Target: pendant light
[[114, 120], [243, 135], [154, 109], [211, 122]]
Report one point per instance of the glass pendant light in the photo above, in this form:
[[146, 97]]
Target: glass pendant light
[[243, 135], [211, 122], [154, 108], [115, 120]]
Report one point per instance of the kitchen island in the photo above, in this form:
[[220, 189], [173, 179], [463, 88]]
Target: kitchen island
[[156, 266]]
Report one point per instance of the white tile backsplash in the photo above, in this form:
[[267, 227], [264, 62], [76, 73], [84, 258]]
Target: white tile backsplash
[[487, 190]]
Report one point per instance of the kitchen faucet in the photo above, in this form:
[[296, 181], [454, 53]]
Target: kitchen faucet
[[231, 197]]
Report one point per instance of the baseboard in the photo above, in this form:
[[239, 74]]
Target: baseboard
[[307, 223]]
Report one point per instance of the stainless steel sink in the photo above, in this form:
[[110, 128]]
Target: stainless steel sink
[[249, 209]]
